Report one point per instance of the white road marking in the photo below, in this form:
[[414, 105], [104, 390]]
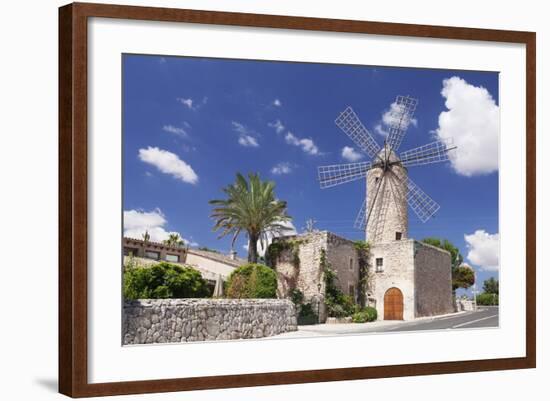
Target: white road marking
[[474, 321]]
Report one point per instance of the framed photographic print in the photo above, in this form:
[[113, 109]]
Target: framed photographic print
[[251, 200]]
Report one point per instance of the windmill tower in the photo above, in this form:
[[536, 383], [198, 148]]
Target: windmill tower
[[384, 214]]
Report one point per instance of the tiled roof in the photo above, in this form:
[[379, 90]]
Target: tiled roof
[[218, 257]]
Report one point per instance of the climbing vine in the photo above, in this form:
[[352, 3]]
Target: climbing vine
[[338, 304], [275, 249], [363, 250]]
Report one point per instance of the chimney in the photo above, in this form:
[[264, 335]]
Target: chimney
[[233, 254]]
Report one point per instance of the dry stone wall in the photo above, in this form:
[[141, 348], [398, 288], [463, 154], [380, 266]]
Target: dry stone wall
[[181, 320]]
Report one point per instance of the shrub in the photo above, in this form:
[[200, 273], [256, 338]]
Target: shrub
[[163, 280], [487, 299], [252, 281], [297, 296], [368, 314]]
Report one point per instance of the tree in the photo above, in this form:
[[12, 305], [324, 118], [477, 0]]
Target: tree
[[490, 286], [462, 275], [173, 239], [252, 281], [146, 236], [251, 207]]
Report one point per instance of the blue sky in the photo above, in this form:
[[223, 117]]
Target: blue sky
[[190, 124]]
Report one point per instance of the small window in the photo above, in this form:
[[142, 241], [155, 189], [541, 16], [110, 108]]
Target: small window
[[379, 264], [130, 251], [152, 255], [376, 180], [172, 258], [351, 263], [398, 236], [352, 290]]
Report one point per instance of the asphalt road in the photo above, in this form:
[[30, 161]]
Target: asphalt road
[[485, 316]]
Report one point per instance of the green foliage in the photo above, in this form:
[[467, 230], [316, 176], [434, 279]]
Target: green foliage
[[252, 281], [363, 250], [368, 314], [275, 249], [487, 299], [163, 280], [205, 248], [174, 240], [297, 296], [490, 286], [338, 304], [463, 277], [252, 207]]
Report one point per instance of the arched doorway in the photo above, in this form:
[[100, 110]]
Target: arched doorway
[[393, 304]]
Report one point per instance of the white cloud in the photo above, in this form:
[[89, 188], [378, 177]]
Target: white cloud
[[351, 154], [168, 163], [192, 104], [483, 249], [277, 126], [248, 141], [175, 130], [136, 222], [307, 144], [186, 102], [247, 136], [282, 168], [392, 117], [472, 123], [277, 103]]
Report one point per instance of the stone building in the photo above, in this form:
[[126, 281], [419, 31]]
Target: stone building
[[406, 278], [210, 264]]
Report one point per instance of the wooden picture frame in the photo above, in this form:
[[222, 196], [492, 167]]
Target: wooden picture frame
[[73, 195]]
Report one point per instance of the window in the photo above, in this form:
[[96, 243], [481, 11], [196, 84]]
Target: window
[[352, 290], [172, 258], [152, 255], [376, 180], [351, 263], [130, 251], [379, 264], [398, 236]]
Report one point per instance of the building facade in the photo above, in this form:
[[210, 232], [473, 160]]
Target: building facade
[[406, 278]]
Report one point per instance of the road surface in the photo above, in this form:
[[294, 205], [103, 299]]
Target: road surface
[[484, 317]]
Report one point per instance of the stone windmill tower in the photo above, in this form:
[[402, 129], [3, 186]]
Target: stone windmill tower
[[384, 213]]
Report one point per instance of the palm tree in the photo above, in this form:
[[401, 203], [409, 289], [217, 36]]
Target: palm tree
[[174, 239], [250, 207]]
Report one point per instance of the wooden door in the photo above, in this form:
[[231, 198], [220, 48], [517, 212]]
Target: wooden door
[[393, 304]]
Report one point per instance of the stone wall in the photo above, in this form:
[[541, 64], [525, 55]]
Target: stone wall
[[398, 272], [343, 257], [432, 280], [181, 320]]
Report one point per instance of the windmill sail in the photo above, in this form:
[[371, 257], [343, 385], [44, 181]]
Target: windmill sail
[[361, 219], [433, 152], [400, 116], [422, 205], [330, 176], [348, 122]]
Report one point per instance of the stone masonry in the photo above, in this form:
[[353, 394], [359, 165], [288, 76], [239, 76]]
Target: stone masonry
[[421, 272], [150, 321]]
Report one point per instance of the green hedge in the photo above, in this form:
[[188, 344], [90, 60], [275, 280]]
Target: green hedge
[[487, 299], [252, 281], [163, 280], [368, 314]]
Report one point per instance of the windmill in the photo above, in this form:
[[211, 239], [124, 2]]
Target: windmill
[[384, 213]]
